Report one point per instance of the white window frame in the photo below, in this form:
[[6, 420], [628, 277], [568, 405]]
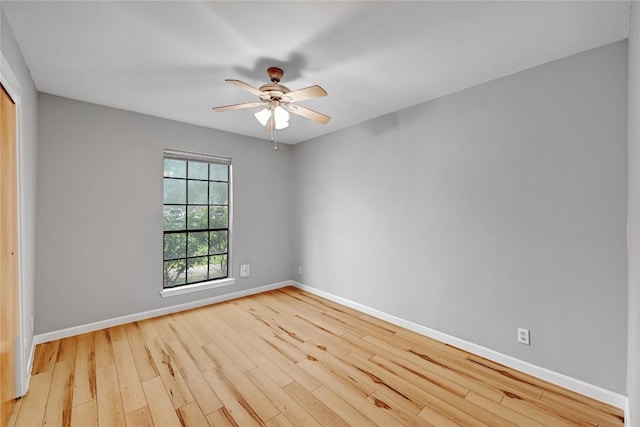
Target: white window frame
[[215, 283]]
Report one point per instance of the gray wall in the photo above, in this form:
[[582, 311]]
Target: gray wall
[[99, 243], [28, 138], [497, 207], [633, 355]]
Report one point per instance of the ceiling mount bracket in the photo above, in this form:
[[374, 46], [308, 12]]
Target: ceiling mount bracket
[[275, 74]]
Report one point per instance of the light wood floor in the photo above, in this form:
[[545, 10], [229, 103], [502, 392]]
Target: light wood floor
[[284, 358]]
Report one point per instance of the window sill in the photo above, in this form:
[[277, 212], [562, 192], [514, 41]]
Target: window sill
[[187, 289]]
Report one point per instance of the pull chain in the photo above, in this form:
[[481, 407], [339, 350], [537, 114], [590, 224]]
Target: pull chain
[[273, 132]]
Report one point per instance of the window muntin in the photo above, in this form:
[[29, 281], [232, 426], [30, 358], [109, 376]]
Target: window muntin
[[196, 219]]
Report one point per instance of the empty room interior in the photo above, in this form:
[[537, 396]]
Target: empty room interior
[[320, 213]]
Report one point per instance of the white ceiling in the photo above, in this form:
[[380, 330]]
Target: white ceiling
[[170, 59]]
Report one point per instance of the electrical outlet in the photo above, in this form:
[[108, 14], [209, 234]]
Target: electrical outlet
[[523, 336], [245, 270], [299, 270]]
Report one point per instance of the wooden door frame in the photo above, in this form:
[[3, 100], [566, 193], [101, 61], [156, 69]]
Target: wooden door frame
[[23, 356]]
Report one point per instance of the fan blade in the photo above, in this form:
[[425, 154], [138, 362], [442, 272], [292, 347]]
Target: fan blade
[[305, 93], [238, 106], [308, 113], [245, 86]]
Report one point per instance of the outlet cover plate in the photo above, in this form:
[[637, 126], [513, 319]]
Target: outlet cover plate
[[523, 336]]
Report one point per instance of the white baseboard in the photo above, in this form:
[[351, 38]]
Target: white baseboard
[[579, 386], [108, 323]]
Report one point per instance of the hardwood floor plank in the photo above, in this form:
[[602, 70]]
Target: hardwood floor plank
[[242, 361], [279, 421], [188, 323], [284, 358], [437, 419], [318, 410], [433, 371], [491, 374], [85, 415], [190, 415], [141, 354], [45, 357], [429, 395], [338, 405], [139, 418], [601, 415], [110, 412], [34, 404], [236, 408], [356, 400], [277, 342], [221, 418], [502, 411], [162, 325], [117, 333], [11, 422], [103, 348], [341, 369], [356, 324], [176, 387], [397, 411], [60, 399], [148, 329], [429, 383], [243, 389], [67, 350], [275, 372], [84, 381], [285, 404], [160, 405], [192, 345], [330, 342], [286, 364], [202, 392], [536, 413], [130, 385]]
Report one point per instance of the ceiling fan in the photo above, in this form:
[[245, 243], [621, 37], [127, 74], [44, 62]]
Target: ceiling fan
[[278, 101]]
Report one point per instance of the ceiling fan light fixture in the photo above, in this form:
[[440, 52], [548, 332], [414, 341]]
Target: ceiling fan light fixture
[[263, 116], [280, 115]]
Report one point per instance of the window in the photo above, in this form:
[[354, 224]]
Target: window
[[196, 218]]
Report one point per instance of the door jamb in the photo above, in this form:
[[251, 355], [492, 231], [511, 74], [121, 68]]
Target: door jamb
[[12, 85]]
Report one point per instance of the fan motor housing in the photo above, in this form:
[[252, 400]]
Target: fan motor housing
[[273, 91]]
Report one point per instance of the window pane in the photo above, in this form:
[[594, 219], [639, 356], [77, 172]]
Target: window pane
[[174, 273], [218, 193], [219, 172], [197, 218], [175, 168], [174, 217], [197, 269], [217, 266], [198, 244], [197, 192], [198, 170], [218, 216], [175, 245], [175, 191], [218, 242]]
